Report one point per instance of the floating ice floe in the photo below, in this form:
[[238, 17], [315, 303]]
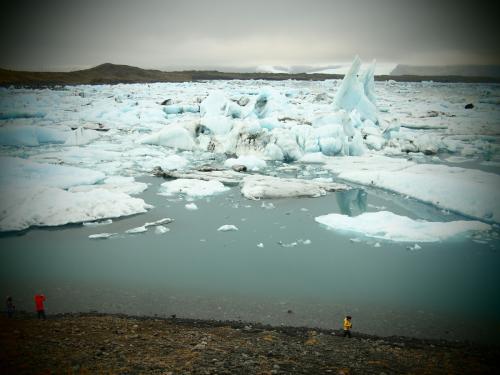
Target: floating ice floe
[[160, 229], [470, 192], [227, 228], [165, 220], [48, 206], [229, 177], [263, 187], [140, 229], [36, 194], [389, 226], [191, 206], [192, 188], [102, 235]]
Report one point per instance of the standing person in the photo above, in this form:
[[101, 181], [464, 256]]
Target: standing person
[[347, 326], [40, 310], [9, 304]]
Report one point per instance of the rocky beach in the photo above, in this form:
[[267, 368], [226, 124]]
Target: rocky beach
[[117, 344]]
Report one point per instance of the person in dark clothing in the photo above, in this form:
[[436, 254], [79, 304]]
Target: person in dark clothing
[[40, 309], [9, 304]]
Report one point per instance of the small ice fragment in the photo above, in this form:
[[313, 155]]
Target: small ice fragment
[[203, 240], [268, 206], [377, 244], [306, 242], [101, 235], [355, 240], [414, 247], [303, 209], [97, 223], [243, 219], [260, 244], [291, 244], [140, 229], [191, 206], [160, 229], [166, 220], [227, 228]]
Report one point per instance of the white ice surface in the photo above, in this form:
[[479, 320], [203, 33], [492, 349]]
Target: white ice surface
[[263, 187], [25, 173], [252, 162], [280, 121], [36, 194], [389, 226], [102, 235], [140, 229], [191, 206], [227, 228], [81, 136], [192, 187], [50, 206], [173, 136], [470, 192]]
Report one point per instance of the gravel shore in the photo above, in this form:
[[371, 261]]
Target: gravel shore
[[116, 344]]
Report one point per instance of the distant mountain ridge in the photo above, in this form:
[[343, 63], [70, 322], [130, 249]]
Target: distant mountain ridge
[[113, 73], [448, 70]]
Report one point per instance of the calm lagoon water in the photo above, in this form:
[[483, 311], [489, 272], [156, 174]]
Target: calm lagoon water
[[195, 271]]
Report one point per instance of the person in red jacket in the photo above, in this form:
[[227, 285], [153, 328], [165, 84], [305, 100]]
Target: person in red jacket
[[40, 310]]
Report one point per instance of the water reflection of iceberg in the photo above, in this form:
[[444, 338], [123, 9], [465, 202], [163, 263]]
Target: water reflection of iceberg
[[352, 202]]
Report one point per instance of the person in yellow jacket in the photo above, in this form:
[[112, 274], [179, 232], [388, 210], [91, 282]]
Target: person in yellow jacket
[[347, 326]]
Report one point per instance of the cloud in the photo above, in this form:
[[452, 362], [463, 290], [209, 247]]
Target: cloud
[[162, 34]]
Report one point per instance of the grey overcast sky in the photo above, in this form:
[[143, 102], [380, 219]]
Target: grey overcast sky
[[173, 34]]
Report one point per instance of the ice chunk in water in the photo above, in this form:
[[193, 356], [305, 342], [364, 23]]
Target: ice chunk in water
[[227, 228], [192, 187], [252, 162], [389, 226], [171, 136], [351, 93]]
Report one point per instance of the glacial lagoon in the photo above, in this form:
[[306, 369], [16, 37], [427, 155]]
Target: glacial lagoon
[[195, 271]]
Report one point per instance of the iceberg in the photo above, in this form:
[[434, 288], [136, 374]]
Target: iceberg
[[36, 194], [165, 220], [227, 228], [191, 206], [470, 192], [160, 229], [389, 226], [174, 136], [265, 187], [25, 173], [102, 235], [140, 229], [352, 93], [50, 206], [192, 188]]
